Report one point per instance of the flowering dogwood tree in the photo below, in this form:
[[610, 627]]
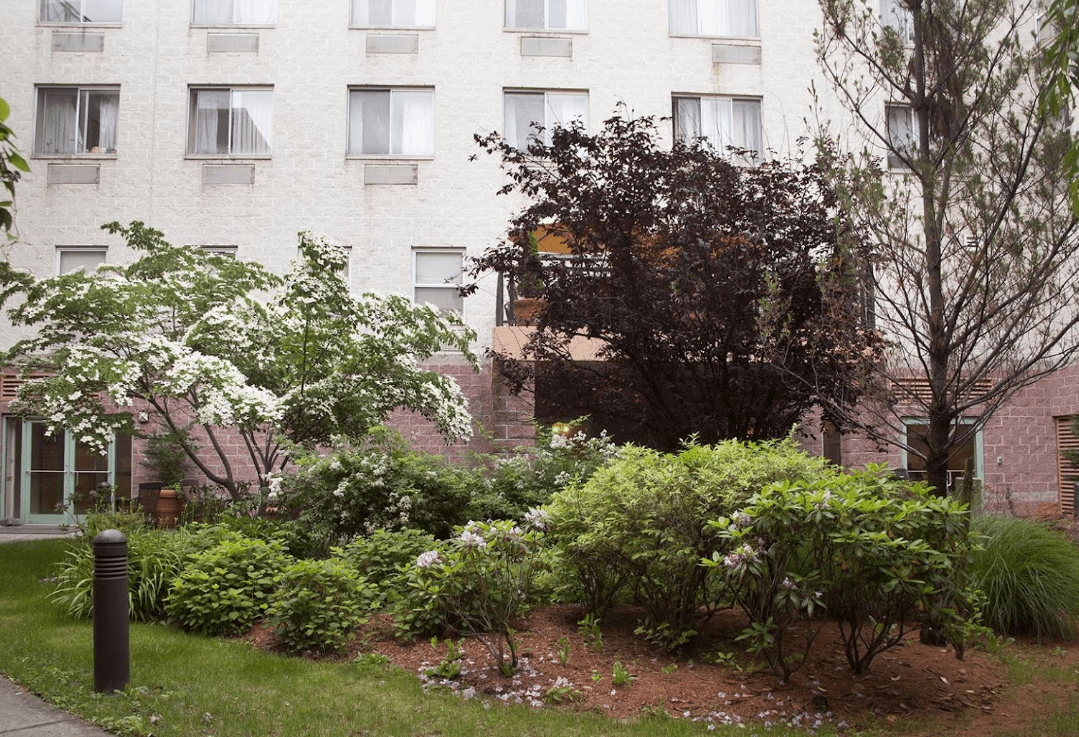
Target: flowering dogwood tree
[[211, 342]]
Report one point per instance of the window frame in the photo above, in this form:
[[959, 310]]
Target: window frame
[[61, 250], [546, 27], [192, 122], [354, 23], [232, 24], [42, 4], [903, 26], [389, 154], [977, 450], [419, 252], [40, 100], [893, 152], [732, 99], [548, 125], [756, 34]]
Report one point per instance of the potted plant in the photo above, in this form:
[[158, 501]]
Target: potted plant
[[165, 457], [528, 299]]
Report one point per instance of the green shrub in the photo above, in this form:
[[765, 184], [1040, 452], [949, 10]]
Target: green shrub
[[377, 484], [1029, 575], [153, 561], [878, 554], [478, 583], [639, 525], [384, 557], [506, 488], [224, 589], [317, 606]]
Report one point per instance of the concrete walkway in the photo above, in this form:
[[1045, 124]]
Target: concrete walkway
[[21, 713]]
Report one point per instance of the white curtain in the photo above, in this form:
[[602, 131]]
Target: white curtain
[[562, 109], [742, 17], [902, 133], [521, 111], [687, 117], [60, 121], [413, 126], [683, 15], [746, 116], [213, 11], [716, 122], [252, 121], [106, 105], [525, 13], [211, 119], [712, 18], [576, 15], [413, 13], [260, 12]]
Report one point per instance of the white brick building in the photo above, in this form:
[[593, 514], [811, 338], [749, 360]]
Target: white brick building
[[238, 123]]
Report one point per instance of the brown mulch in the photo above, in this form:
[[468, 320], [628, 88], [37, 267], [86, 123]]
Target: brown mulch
[[913, 681]]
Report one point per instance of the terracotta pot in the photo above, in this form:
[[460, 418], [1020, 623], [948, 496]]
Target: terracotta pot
[[526, 309], [170, 505]]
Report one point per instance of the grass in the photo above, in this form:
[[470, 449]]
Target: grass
[[1030, 576], [182, 685]]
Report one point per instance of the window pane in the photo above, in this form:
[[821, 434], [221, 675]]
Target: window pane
[[213, 11], [369, 122], [901, 134], [747, 125], [895, 16], [261, 12], [563, 109], [404, 12], [210, 127], [524, 13], [522, 112], [102, 11], [425, 12], [683, 16], [73, 259], [413, 131], [446, 300], [97, 124], [57, 124], [252, 121], [438, 268], [687, 118], [742, 18]]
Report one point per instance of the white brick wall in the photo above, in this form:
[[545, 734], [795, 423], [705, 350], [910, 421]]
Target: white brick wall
[[311, 56]]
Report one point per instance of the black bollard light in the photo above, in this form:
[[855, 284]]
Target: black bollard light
[[112, 660]]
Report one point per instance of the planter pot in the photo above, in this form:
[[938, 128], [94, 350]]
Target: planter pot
[[526, 309], [170, 505]]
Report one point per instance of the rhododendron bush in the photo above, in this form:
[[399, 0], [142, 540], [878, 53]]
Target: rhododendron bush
[[203, 340]]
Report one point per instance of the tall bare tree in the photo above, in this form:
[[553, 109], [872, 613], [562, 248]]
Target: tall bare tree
[[952, 172]]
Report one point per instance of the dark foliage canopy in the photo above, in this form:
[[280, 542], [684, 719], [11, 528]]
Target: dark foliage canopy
[[717, 297]]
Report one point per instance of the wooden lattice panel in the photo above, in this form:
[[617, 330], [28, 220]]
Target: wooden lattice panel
[[1067, 475]]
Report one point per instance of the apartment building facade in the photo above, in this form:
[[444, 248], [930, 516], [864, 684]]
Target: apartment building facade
[[234, 124]]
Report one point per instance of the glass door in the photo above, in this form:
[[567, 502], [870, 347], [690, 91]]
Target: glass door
[[60, 475]]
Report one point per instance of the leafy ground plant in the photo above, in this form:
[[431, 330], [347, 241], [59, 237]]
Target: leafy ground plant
[[317, 605]]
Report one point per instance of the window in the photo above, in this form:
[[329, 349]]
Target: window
[[231, 122], [722, 121], [81, 11], [73, 258], [226, 251], [523, 111], [395, 122], [713, 17], [436, 278], [902, 129], [893, 15], [915, 448], [390, 13], [551, 14], [234, 12], [76, 120]]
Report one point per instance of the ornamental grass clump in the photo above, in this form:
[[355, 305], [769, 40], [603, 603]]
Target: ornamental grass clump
[[1029, 575]]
